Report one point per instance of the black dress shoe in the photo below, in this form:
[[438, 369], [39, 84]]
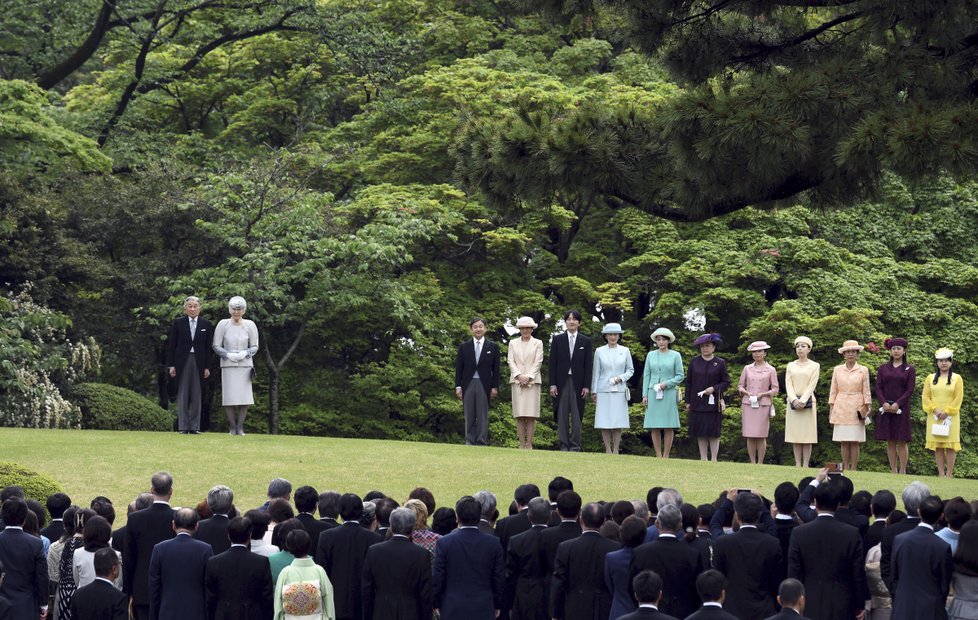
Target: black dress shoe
[[195, 432], [184, 432]]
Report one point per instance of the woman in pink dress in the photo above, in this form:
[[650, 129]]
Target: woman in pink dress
[[758, 383], [849, 401]]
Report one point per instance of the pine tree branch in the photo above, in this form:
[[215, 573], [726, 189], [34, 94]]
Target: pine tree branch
[[765, 50]]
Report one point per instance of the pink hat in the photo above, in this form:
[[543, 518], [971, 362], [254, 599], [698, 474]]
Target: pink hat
[[850, 345], [757, 345]]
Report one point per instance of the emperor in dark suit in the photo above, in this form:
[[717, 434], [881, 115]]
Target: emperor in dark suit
[[921, 569], [570, 380], [397, 575], [188, 356], [176, 572], [477, 382], [238, 582]]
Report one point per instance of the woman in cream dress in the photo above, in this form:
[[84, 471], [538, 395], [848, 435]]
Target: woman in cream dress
[[236, 342], [612, 369], [800, 379], [849, 402], [525, 357]]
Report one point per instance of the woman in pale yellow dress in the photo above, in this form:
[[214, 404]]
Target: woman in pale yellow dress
[[800, 424], [942, 397], [849, 402], [525, 357]]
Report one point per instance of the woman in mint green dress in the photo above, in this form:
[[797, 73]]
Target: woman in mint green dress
[[663, 373]]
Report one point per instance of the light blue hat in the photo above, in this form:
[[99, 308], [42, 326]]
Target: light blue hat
[[611, 328]]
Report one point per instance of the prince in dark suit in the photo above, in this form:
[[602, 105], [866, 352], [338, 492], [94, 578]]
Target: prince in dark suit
[[100, 600], [477, 381], [570, 380], [188, 356]]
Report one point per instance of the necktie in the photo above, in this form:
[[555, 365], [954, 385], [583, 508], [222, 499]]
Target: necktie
[[478, 350], [193, 328], [571, 340]]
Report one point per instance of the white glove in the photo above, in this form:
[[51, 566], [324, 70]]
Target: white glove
[[236, 356]]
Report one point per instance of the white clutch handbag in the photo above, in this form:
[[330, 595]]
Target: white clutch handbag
[[941, 428]]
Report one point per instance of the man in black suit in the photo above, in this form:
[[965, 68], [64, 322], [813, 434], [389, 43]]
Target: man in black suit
[[341, 551], [557, 486], [921, 568], [913, 495], [56, 504], [176, 572], [845, 489], [6, 607], [188, 358], [385, 506], [826, 555], [526, 573], [488, 512], [751, 560], [468, 577], [144, 529], [882, 504], [518, 523], [306, 498], [785, 521], [142, 501], [477, 381], [214, 531], [100, 600], [569, 510], [25, 582], [791, 597], [397, 574], [329, 510], [676, 563], [577, 588], [647, 586], [570, 380], [238, 583], [711, 586]]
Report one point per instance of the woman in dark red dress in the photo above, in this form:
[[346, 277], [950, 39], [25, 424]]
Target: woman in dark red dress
[[706, 381], [895, 383]]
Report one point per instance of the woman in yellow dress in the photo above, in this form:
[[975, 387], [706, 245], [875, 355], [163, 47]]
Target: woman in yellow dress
[[943, 393]]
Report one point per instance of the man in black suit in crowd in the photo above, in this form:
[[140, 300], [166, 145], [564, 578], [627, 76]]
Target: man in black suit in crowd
[[100, 600], [826, 555], [341, 551], [468, 577], [329, 510], [488, 512], [238, 583], [791, 597], [676, 563], [144, 529], [385, 506], [6, 607], [510, 526], [845, 514], [25, 584], [176, 572], [751, 560], [477, 381], [913, 495], [785, 520], [570, 380], [577, 588], [56, 504], [214, 531], [526, 572], [142, 501], [882, 504], [921, 576], [306, 498], [569, 509], [703, 543], [557, 486], [188, 359], [711, 585], [648, 592], [397, 574]]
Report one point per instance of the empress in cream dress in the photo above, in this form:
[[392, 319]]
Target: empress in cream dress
[[525, 358], [800, 425]]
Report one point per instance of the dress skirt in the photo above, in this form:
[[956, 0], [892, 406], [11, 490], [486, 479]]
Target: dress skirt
[[705, 423], [526, 401], [800, 425], [849, 432], [664, 412], [236, 386], [893, 426], [612, 410], [756, 421]]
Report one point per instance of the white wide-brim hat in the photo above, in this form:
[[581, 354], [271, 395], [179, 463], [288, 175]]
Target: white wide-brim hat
[[525, 321]]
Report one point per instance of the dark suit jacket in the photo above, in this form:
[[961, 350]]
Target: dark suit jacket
[[787, 614], [886, 545], [704, 544], [341, 551], [526, 576], [238, 586], [550, 539], [179, 344], [7, 610], [579, 366], [616, 567], [119, 539], [25, 583], [577, 587], [647, 613], [921, 575], [751, 560], [784, 529], [468, 577], [512, 525], [144, 529], [54, 530], [678, 564], [714, 613], [313, 526], [826, 555], [488, 366], [176, 579], [873, 535], [803, 509], [856, 520], [214, 532], [397, 581], [328, 524], [99, 600]]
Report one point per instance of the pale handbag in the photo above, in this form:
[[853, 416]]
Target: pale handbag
[[941, 429]]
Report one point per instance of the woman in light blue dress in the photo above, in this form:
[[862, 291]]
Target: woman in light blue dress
[[612, 368], [663, 372]]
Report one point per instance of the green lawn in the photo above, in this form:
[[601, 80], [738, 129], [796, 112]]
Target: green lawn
[[119, 465]]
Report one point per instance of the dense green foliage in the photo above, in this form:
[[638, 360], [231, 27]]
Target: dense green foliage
[[36, 486], [111, 408], [369, 175]]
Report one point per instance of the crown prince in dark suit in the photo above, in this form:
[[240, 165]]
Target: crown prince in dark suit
[[188, 357], [570, 380], [477, 381]]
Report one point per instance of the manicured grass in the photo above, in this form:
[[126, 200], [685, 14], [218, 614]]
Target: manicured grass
[[119, 464]]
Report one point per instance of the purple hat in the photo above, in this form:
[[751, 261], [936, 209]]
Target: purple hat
[[705, 338], [895, 342]]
